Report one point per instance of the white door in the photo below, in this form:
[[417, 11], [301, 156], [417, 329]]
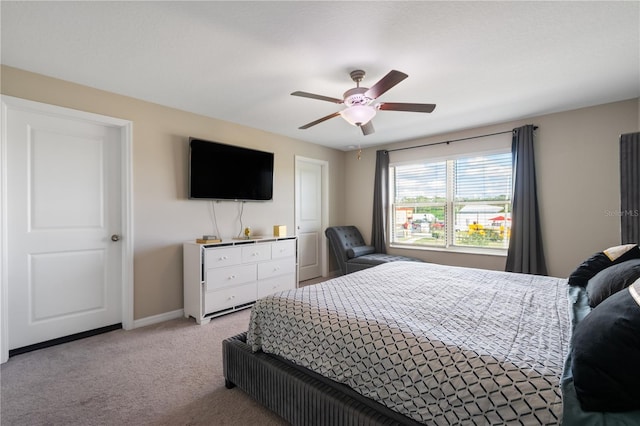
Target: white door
[[309, 217], [64, 225]]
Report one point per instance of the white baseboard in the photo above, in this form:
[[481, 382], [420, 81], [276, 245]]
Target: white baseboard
[[154, 319]]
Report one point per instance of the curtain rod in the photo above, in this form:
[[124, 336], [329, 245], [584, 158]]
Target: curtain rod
[[454, 140]]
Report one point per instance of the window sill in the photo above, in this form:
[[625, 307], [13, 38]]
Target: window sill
[[464, 250]]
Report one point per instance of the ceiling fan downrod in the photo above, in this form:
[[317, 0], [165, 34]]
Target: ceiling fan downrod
[[357, 76]]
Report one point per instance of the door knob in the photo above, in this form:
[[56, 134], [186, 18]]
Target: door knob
[[115, 237]]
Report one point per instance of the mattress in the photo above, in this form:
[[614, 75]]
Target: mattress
[[437, 344]]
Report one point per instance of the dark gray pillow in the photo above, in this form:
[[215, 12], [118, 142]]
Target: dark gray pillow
[[611, 280], [360, 251], [605, 354], [602, 260]]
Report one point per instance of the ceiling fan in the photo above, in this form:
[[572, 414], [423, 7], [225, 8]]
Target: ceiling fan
[[359, 108]]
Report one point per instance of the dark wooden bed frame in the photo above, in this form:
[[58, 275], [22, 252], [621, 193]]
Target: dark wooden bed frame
[[299, 395]]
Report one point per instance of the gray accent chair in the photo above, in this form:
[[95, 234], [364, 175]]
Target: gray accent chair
[[351, 252]]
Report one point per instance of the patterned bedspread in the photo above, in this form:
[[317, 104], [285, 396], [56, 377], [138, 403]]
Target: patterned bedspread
[[439, 344]]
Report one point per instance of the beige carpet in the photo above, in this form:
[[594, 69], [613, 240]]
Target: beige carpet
[[164, 374]]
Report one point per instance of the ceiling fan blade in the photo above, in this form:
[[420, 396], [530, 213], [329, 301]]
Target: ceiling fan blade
[[395, 106], [387, 82], [320, 120], [367, 128], [319, 97]]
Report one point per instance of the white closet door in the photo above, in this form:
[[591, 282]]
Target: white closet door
[[309, 218], [63, 207]]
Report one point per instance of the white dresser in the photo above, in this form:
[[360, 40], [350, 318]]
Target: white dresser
[[231, 275]]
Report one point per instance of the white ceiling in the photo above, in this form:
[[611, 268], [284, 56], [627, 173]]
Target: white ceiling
[[480, 62]]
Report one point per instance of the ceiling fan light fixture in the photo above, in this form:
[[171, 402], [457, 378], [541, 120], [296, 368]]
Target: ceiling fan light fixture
[[358, 115]]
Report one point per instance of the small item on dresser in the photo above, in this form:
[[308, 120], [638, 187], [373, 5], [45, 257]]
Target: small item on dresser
[[209, 237], [247, 232], [208, 240], [279, 231]]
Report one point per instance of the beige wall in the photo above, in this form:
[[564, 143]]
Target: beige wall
[[576, 155], [577, 177], [163, 216]]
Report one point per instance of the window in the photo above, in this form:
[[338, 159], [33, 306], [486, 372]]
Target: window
[[462, 202]]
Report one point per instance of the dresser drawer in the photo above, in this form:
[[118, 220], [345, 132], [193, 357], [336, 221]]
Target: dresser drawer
[[274, 285], [217, 278], [275, 268], [229, 297], [220, 257], [283, 249], [256, 253]]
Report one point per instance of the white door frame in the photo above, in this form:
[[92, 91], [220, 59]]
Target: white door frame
[[126, 135], [324, 165]]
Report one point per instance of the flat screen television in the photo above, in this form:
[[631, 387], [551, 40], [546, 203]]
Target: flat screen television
[[219, 171]]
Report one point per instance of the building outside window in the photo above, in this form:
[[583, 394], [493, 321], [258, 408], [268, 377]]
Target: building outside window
[[457, 203]]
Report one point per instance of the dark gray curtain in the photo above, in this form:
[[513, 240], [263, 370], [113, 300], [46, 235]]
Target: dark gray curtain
[[380, 196], [525, 252], [630, 188]]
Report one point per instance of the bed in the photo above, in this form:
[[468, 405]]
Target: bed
[[412, 343]]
